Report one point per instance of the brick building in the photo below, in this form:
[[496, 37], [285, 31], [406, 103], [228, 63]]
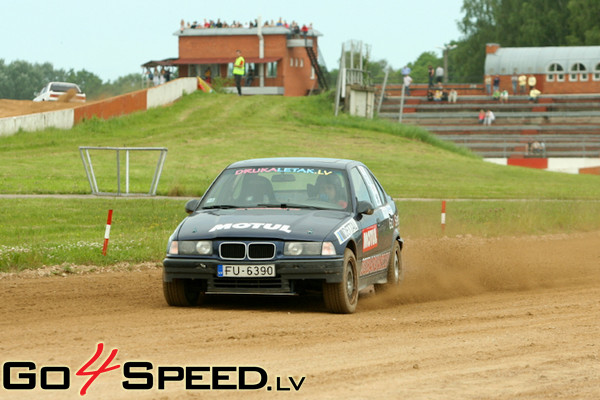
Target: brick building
[[558, 70], [278, 61]]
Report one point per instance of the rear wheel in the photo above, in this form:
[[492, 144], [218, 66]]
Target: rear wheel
[[182, 293], [395, 272], [342, 297]]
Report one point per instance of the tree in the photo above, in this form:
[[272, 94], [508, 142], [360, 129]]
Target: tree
[[583, 23]]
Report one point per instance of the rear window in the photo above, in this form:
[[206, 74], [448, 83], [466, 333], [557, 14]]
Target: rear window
[[62, 87]]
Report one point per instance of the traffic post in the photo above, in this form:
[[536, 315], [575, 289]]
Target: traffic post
[[107, 232]]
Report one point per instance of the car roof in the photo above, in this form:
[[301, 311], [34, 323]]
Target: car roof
[[314, 162]]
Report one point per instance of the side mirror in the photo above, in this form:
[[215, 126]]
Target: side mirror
[[364, 207], [191, 206]]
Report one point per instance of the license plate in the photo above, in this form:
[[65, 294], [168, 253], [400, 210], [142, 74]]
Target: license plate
[[245, 271]]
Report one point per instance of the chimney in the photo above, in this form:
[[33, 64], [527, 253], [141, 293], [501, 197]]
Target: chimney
[[491, 48]]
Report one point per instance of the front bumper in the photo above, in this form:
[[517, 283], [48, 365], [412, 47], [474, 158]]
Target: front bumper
[[287, 271]]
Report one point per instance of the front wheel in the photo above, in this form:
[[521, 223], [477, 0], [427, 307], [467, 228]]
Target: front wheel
[[182, 293], [342, 297]]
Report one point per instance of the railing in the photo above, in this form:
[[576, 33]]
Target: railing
[[84, 151]]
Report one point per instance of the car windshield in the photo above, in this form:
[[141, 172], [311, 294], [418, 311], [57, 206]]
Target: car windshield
[[64, 87], [281, 187]]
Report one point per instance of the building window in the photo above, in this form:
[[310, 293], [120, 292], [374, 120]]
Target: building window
[[578, 68], [272, 70], [555, 71], [312, 73], [229, 70], [597, 72], [302, 63], [291, 61]]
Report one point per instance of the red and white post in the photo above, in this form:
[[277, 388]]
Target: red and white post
[[107, 232], [443, 215]]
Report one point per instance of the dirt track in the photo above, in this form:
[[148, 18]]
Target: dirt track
[[475, 319]]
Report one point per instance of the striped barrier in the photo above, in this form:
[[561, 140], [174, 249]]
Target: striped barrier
[[555, 164]]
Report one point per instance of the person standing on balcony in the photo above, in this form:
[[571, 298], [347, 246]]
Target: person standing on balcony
[[407, 82], [522, 84], [439, 74], [531, 81], [239, 67]]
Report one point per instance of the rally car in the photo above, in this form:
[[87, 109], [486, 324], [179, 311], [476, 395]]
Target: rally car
[[60, 91], [286, 226]]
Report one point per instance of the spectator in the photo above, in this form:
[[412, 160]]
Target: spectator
[[522, 84], [407, 82], [534, 94], [488, 84], [489, 118], [514, 79], [150, 76], [207, 76], [504, 96], [531, 81], [182, 26], [439, 74], [155, 77], [304, 30], [439, 93], [496, 95], [497, 83], [481, 116], [453, 96], [430, 74]]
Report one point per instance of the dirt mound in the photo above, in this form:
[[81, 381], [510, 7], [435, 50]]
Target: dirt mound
[[13, 108], [475, 318]]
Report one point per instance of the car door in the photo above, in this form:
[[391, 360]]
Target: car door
[[374, 228], [383, 212]]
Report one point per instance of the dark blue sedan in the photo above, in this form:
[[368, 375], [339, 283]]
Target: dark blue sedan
[[286, 226]]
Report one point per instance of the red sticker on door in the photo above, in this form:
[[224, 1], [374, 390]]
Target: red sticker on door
[[369, 238]]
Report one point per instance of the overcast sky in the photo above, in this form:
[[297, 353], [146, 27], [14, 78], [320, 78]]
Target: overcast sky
[[112, 38]]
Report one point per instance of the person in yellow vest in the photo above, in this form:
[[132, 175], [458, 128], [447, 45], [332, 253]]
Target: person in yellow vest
[[239, 67]]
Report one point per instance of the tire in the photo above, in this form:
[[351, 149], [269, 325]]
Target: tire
[[395, 272], [182, 293], [342, 297]]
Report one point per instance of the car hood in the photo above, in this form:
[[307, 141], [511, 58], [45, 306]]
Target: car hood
[[286, 224]]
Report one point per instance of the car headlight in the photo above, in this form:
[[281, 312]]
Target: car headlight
[[308, 249], [191, 247]]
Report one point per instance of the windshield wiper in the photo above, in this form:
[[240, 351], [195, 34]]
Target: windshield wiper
[[289, 205], [224, 206]]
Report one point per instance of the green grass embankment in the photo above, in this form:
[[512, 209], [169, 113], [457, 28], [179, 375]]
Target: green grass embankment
[[204, 133]]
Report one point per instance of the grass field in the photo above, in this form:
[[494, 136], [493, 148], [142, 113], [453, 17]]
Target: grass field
[[204, 133]]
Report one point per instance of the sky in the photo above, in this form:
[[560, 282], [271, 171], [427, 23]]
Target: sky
[[112, 38]]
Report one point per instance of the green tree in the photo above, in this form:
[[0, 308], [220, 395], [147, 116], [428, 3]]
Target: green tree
[[583, 23]]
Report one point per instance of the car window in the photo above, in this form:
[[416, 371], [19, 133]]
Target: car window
[[62, 87], [360, 188], [277, 186], [375, 195], [379, 188]]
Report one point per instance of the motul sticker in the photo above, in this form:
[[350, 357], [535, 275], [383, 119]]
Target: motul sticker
[[369, 238]]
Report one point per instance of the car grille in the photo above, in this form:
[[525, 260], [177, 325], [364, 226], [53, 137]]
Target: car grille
[[251, 251], [266, 284]]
